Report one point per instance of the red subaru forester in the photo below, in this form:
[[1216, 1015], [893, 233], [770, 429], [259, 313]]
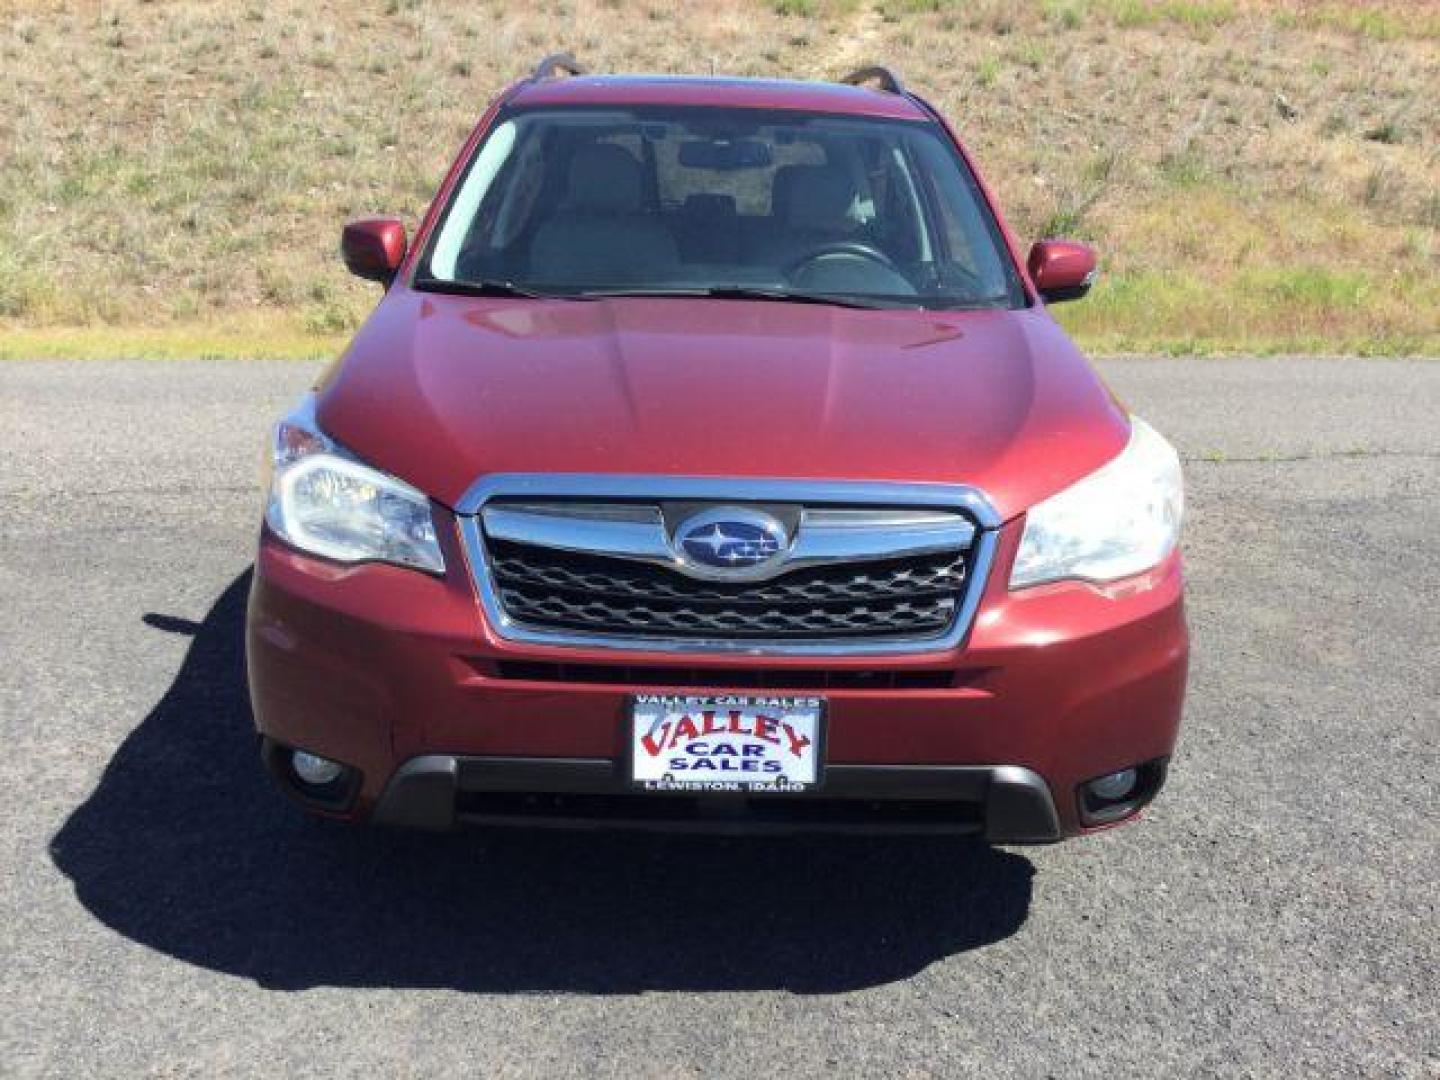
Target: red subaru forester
[[712, 462]]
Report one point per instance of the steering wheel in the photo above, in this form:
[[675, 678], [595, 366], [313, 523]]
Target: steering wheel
[[854, 248]]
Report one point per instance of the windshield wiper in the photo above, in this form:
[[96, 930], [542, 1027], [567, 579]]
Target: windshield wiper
[[750, 292], [486, 288], [761, 292]]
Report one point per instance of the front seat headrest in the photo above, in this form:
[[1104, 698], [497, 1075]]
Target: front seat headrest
[[813, 197], [604, 179]]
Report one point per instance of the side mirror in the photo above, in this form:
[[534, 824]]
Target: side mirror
[[374, 248], [1061, 269]]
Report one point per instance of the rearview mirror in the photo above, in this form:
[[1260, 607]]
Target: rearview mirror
[[1061, 269], [374, 248], [725, 155]]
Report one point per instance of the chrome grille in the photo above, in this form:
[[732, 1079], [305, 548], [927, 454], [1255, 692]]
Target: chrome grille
[[914, 597], [607, 570]]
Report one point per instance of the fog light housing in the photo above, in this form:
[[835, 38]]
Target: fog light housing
[[1116, 795], [316, 782], [1114, 787], [314, 770]]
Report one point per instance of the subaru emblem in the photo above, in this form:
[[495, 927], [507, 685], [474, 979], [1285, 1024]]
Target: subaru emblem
[[729, 538]]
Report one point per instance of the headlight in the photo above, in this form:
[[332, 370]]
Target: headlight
[[1122, 519], [322, 500]]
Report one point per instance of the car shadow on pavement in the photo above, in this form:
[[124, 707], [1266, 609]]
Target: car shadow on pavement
[[186, 848]]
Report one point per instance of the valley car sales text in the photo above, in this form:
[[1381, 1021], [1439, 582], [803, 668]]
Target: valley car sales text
[[708, 740]]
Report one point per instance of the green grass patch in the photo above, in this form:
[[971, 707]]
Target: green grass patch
[[1261, 312], [180, 342], [1132, 13], [896, 9], [1373, 23], [1068, 14], [1311, 287], [1185, 168]]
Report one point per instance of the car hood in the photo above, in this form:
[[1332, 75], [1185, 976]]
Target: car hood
[[441, 390]]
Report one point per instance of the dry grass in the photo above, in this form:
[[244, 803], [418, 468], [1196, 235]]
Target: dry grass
[[1260, 176]]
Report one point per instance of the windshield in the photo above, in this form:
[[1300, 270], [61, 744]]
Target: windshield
[[723, 202]]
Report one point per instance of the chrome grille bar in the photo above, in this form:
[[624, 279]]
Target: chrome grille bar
[[637, 532]]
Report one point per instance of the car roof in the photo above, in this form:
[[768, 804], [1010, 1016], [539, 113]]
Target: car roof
[[718, 91]]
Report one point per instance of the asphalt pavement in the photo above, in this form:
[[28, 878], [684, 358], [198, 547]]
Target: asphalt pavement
[[163, 911]]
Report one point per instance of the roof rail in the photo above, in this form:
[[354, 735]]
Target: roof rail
[[556, 63], [888, 80]]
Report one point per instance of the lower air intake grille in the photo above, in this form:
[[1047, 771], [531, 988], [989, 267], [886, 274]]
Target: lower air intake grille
[[729, 678]]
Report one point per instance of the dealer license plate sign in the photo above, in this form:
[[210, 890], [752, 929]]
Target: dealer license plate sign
[[748, 745]]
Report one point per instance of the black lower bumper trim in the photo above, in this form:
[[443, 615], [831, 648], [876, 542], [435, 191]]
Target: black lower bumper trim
[[1001, 803]]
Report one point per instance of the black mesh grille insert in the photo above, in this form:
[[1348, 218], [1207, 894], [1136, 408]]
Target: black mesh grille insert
[[911, 597]]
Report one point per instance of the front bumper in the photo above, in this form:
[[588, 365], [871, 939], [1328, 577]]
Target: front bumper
[[396, 674]]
